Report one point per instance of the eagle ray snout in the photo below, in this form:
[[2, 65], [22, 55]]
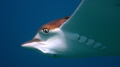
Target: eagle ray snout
[[30, 42]]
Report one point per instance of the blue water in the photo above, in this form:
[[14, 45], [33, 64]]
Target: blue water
[[19, 21]]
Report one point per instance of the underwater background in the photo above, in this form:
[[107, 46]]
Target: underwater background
[[19, 21]]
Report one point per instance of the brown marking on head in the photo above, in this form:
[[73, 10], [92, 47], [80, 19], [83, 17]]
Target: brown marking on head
[[54, 24]]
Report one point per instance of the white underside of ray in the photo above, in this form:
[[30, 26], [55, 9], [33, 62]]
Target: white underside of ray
[[98, 20]]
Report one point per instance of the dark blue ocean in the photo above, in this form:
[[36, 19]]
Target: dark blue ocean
[[19, 21]]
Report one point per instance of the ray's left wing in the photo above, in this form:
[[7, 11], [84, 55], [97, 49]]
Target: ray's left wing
[[99, 20]]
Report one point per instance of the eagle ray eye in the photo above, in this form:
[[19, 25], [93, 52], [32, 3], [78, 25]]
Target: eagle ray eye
[[45, 30]]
